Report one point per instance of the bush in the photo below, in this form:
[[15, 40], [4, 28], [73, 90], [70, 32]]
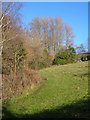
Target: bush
[[13, 56], [14, 85], [59, 61], [40, 61], [68, 56]]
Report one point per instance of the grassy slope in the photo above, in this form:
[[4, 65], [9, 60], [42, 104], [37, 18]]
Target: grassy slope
[[63, 93]]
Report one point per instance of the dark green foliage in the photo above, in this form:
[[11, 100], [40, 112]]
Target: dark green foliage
[[68, 56], [71, 50], [20, 56]]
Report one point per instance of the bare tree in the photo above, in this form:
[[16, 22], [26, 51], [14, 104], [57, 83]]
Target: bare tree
[[50, 31], [10, 26], [69, 36], [45, 32], [7, 17], [59, 33]]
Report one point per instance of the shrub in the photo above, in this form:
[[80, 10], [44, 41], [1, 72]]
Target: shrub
[[68, 56], [16, 84], [40, 60], [59, 61], [13, 56], [21, 55]]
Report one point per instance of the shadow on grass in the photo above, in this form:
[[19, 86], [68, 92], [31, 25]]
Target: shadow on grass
[[86, 74], [79, 109], [82, 75]]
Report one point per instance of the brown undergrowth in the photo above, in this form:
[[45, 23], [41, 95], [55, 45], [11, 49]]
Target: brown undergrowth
[[15, 84]]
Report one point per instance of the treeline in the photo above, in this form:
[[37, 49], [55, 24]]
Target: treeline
[[53, 33], [48, 36], [35, 47], [16, 75]]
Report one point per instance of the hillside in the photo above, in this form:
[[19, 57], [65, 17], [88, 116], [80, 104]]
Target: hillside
[[62, 94]]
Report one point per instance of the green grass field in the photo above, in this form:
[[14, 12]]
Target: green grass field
[[63, 93]]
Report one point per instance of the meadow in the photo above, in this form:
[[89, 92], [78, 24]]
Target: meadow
[[63, 93]]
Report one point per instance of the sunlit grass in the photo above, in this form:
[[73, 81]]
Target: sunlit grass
[[62, 85]]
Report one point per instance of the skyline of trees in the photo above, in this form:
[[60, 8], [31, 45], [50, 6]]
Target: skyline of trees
[[52, 32]]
